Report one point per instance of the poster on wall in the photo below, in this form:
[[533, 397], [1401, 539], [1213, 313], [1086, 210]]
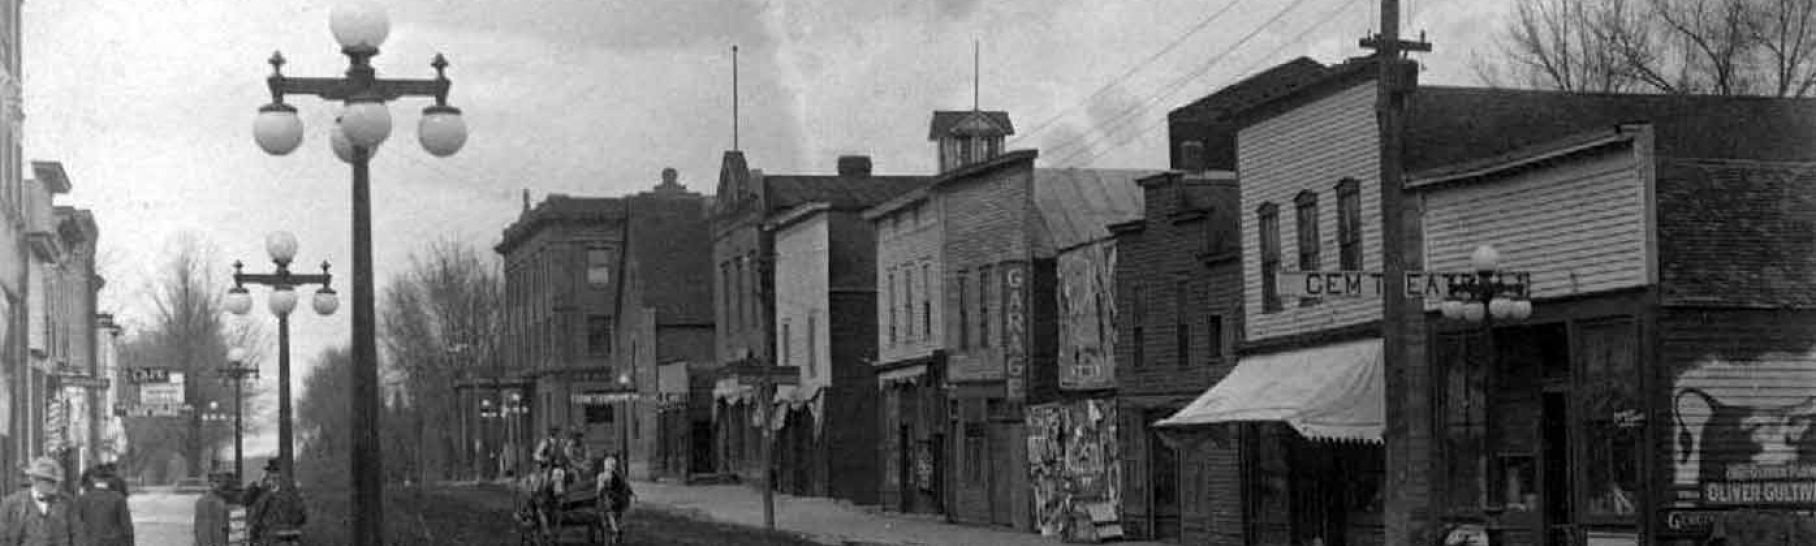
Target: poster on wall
[[1743, 437], [1087, 315]]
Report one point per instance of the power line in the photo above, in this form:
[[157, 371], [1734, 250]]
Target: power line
[[1202, 24], [1084, 144], [1247, 72]]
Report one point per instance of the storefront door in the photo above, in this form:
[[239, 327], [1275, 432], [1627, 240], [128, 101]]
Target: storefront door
[[1560, 525], [1163, 480]]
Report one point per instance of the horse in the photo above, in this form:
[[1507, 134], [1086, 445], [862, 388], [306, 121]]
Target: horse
[[612, 496], [540, 506]]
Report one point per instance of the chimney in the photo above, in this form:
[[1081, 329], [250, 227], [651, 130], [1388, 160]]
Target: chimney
[[1191, 156], [854, 165]]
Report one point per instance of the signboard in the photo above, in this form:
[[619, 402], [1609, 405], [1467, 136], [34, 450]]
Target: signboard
[[590, 398], [1367, 284], [160, 393], [152, 410], [86, 382], [140, 376], [1015, 330]]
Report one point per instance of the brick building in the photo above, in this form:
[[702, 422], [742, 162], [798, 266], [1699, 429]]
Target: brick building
[[562, 263], [663, 307]]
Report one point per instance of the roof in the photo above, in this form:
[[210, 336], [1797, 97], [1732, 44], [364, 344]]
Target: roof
[[855, 192], [1275, 81], [1448, 125], [1077, 205], [559, 208], [1736, 234], [953, 123], [52, 175]]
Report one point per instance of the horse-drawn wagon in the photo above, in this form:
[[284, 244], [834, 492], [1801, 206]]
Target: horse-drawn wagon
[[594, 502]]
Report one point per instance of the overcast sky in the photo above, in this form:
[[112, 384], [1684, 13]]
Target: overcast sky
[[149, 104]]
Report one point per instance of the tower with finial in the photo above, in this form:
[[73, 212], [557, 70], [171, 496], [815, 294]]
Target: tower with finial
[[968, 137]]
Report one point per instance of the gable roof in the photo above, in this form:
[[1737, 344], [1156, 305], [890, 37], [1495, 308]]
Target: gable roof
[[969, 123], [1447, 125], [1076, 206]]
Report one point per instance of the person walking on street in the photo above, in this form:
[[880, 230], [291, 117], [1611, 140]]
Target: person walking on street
[[40, 515], [115, 483], [105, 517], [277, 515], [211, 512]]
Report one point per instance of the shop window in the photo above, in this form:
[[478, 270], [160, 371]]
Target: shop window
[[1213, 337], [1608, 396], [891, 308], [1268, 216]]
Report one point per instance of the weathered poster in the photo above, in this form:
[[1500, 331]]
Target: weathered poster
[[1072, 451], [1087, 317], [1743, 438]]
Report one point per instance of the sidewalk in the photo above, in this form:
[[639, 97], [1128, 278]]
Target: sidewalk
[[831, 521]]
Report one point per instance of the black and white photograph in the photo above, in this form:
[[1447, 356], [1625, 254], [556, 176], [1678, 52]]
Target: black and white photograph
[[908, 272]]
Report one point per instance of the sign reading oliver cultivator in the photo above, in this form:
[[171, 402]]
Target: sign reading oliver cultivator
[[1744, 437]]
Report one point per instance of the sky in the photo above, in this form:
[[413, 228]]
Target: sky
[[149, 106]]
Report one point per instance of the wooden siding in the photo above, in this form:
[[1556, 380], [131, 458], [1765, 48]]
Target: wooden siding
[[1310, 148], [1579, 225], [902, 246]]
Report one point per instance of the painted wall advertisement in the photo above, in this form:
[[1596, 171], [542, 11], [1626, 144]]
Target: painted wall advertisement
[[1087, 317], [1015, 330], [1743, 437]]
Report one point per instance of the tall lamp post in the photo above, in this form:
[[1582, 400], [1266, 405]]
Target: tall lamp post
[[237, 372], [364, 123], [1488, 298], [282, 248]]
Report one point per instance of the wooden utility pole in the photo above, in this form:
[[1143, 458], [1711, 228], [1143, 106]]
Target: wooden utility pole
[[1408, 482]]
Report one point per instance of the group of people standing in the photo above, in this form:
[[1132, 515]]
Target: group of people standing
[[45, 514], [274, 510]]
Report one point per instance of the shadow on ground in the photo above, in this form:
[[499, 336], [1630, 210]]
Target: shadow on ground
[[481, 515]]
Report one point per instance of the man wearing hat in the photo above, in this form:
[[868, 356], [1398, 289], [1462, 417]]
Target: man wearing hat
[[212, 519], [276, 515], [40, 515]]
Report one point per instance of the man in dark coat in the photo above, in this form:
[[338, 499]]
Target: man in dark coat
[[40, 515], [115, 483], [105, 517], [277, 515], [212, 519]]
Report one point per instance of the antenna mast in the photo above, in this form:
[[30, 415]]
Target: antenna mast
[[734, 98], [976, 60]]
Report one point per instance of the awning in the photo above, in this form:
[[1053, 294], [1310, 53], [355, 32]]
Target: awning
[[1329, 392]]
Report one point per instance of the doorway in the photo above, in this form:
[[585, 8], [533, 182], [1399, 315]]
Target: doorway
[[1559, 525], [1163, 477]]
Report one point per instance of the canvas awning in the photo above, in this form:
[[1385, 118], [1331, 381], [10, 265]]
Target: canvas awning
[[1333, 392]]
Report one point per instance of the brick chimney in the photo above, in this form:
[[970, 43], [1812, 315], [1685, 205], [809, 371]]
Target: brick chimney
[[854, 165], [1191, 156]]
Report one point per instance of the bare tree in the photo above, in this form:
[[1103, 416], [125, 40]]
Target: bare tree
[[1721, 47], [439, 319], [188, 333]]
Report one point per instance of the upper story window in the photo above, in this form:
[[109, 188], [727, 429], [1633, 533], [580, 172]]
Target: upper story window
[[984, 280], [1306, 221], [891, 307], [964, 309], [787, 344], [1182, 330], [598, 266], [1349, 225], [1138, 318], [908, 302], [927, 300], [813, 344], [598, 335], [1268, 218]]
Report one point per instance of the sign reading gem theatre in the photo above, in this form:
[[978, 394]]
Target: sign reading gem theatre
[[1367, 284]]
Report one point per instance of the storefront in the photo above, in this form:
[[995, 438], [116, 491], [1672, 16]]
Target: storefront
[[1309, 423], [913, 416]]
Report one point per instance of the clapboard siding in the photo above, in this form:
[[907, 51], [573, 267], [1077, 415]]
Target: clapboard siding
[[1577, 225], [1310, 148]]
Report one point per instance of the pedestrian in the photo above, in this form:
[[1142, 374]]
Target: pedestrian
[[278, 515], [212, 520], [40, 515], [252, 491], [111, 471], [105, 517]]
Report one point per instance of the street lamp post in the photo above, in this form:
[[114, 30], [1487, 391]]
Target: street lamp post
[[1486, 299], [282, 248], [624, 424], [238, 373], [364, 123]]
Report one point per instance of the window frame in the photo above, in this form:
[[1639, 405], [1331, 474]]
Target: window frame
[[1306, 236], [1349, 225], [1267, 218]]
